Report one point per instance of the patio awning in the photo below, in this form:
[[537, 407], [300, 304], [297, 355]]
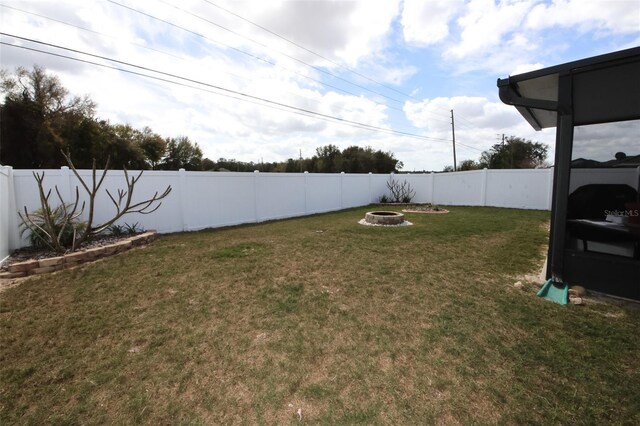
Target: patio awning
[[600, 89], [605, 89]]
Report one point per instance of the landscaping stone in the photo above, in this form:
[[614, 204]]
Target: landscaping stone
[[9, 275], [111, 249], [23, 266], [95, 253], [52, 261], [46, 269], [52, 264], [138, 239], [76, 257], [121, 246]]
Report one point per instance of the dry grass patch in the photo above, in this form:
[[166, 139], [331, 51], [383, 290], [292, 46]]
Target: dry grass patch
[[354, 325]]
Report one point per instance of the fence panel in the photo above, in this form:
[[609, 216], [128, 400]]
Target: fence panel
[[379, 187], [213, 199], [323, 192], [355, 190], [519, 189], [458, 189], [5, 211], [421, 184], [235, 199], [279, 195]]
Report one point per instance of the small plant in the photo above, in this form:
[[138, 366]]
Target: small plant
[[400, 192], [383, 199], [133, 229], [116, 230], [51, 228], [54, 227]]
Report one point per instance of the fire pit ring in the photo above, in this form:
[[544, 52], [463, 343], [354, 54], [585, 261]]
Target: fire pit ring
[[384, 218]]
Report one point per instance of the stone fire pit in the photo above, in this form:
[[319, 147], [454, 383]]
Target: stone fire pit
[[384, 218]]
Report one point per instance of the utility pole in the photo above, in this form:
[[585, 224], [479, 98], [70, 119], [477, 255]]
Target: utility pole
[[300, 160], [453, 132]]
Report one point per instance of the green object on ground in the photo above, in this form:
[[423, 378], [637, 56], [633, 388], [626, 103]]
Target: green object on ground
[[555, 292]]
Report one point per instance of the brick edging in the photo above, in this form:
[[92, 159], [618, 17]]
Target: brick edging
[[51, 264]]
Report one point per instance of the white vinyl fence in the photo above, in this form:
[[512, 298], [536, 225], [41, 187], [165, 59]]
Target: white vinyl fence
[[201, 200], [6, 211]]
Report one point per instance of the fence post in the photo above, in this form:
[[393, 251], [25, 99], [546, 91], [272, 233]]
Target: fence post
[[182, 178], [7, 214], [341, 190], [550, 188], [483, 188], [12, 212], [306, 192], [256, 210], [370, 188], [433, 188]]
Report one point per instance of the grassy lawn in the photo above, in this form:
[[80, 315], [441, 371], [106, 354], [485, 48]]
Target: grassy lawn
[[352, 324]]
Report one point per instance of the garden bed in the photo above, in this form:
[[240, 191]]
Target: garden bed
[[30, 261], [427, 208]]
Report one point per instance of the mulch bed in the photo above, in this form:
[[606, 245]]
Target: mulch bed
[[429, 210], [35, 253]]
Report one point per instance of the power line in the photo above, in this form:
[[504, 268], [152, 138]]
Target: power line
[[89, 30], [184, 59], [149, 48], [174, 82], [243, 52], [234, 92], [267, 47], [464, 119], [464, 126], [307, 50]]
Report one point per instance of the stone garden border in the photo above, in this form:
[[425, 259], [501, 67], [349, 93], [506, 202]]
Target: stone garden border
[[52, 264]]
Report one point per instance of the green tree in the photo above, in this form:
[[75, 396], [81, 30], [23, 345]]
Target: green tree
[[35, 111], [515, 153], [208, 165], [354, 159], [328, 159], [181, 154], [468, 165], [153, 147], [121, 145]]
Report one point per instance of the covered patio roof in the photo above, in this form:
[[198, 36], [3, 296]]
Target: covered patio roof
[[606, 88], [600, 89]]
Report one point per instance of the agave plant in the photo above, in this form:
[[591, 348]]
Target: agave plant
[[55, 228]]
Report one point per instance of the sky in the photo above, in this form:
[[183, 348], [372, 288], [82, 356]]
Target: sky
[[271, 80]]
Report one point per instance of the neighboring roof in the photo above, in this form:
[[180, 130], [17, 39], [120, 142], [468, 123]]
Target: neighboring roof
[[606, 89], [583, 163]]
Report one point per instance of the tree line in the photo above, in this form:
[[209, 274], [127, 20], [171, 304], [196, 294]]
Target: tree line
[[40, 120], [512, 153], [327, 159]]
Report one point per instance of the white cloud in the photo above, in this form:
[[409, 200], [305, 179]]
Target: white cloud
[[343, 31], [609, 16], [503, 36], [426, 23], [484, 25]]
